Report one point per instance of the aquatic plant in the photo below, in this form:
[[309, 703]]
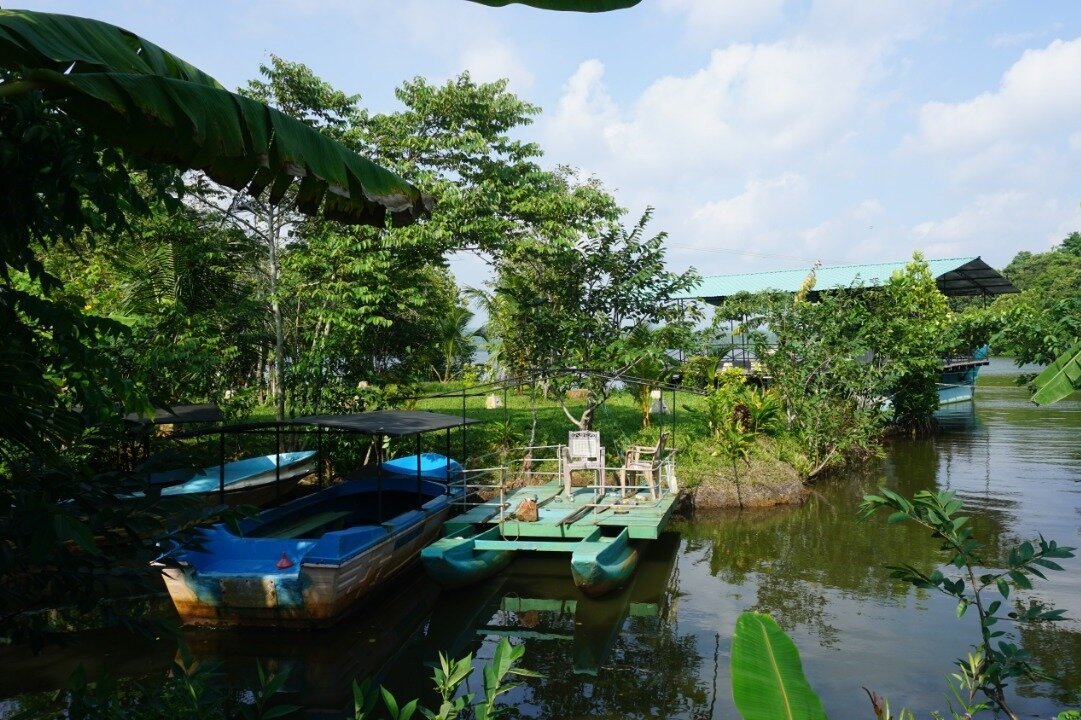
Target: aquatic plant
[[447, 678]]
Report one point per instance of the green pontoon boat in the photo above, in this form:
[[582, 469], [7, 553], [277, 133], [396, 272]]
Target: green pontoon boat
[[600, 524]]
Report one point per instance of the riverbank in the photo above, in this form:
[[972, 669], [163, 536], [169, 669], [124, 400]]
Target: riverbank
[[763, 482], [709, 481]]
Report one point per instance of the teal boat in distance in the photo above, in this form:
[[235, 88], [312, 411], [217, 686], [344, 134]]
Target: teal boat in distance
[[957, 379], [600, 526]]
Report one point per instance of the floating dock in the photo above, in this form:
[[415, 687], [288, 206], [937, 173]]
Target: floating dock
[[600, 526]]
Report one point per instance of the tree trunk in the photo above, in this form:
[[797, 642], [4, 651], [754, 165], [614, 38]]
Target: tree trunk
[[276, 313], [260, 374]]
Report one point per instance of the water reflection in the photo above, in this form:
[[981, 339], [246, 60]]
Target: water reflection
[[620, 656], [322, 664]]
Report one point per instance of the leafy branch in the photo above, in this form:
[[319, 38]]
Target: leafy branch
[[996, 660]]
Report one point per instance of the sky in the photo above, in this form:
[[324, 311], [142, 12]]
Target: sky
[[767, 134]]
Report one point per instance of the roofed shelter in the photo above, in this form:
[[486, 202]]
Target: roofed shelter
[[955, 277]]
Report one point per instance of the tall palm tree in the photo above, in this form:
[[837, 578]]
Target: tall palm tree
[[456, 340]]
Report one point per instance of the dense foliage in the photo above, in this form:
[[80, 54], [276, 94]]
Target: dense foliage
[[125, 284], [1041, 322], [834, 361]]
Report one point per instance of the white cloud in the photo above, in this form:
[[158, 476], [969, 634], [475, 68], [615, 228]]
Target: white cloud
[[1011, 39], [729, 19], [1038, 94], [854, 234], [495, 59], [749, 109], [757, 220], [996, 225], [888, 21]]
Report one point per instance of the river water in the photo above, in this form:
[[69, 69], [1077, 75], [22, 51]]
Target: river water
[[660, 648]]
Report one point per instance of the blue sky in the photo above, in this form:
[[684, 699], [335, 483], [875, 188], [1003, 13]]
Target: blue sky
[[766, 133]]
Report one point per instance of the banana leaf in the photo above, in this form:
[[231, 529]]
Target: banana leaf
[[1060, 378], [139, 97], [767, 676], [575, 5]]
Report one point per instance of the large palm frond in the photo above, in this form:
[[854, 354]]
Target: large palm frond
[[140, 97]]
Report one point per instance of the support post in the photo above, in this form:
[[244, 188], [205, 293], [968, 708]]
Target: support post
[[278, 461], [221, 467], [319, 455], [419, 495], [446, 467], [379, 478], [673, 416]]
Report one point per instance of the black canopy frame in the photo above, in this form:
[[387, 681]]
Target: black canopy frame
[[377, 424]]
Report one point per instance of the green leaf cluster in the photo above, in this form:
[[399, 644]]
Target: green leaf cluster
[[837, 361], [1038, 324], [998, 660], [447, 677], [588, 299]]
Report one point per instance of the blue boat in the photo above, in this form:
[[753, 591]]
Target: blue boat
[[304, 563], [433, 466], [957, 379], [252, 481]]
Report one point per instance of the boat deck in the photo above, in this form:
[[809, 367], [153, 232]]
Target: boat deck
[[956, 364], [576, 516]]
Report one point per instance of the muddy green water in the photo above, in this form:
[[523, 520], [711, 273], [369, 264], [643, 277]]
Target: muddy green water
[[661, 647]]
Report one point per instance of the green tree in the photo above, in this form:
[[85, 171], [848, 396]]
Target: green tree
[[822, 367], [1044, 319], [293, 89], [455, 341], [187, 293], [384, 299], [64, 108], [834, 361], [908, 333], [582, 304]]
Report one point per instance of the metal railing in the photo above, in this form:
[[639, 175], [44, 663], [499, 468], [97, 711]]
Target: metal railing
[[489, 486]]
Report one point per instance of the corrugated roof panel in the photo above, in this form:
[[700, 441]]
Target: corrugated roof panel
[[955, 276]]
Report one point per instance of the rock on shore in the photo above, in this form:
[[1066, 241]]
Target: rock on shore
[[762, 483]]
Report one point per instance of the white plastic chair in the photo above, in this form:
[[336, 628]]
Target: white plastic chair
[[647, 462], [582, 452]]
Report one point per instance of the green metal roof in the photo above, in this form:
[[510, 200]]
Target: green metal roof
[[955, 276]]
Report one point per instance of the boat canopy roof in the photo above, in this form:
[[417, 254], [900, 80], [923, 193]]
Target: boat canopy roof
[[179, 415], [392, 423], [965, 276]]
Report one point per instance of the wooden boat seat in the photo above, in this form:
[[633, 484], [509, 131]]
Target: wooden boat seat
[[309, 525]]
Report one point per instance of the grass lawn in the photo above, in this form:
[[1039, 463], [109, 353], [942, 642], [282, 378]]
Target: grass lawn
[[766, 479]]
